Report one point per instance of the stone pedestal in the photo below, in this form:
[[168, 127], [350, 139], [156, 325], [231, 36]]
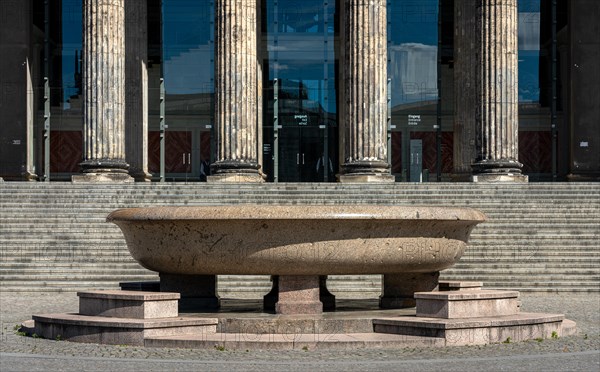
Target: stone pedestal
[[398, 289], [298, 294], [497, 117], [236, 93], [198, 292], [326, 297], [103, 92], [128, 304], [467, 304], [365, 91]]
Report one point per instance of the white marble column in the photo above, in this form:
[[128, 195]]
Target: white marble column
[[465, 107], [365, 92], [136, 89], [497, 119], [236, 92], [103, 92]]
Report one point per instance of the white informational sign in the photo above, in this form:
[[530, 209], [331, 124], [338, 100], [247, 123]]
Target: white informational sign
[[414, 120], [301, 119]]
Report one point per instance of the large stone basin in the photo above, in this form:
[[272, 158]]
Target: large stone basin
[[299, 240]]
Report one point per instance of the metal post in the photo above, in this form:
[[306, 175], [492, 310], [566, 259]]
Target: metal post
[[389, 122], [553, 119], [46, 91], [163, 126], [275, 130], [438, 137]]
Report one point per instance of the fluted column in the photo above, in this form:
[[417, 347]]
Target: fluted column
[[365, 104], [236, 92], [464, 88], [136, 89], [497, 119], [103, 92]]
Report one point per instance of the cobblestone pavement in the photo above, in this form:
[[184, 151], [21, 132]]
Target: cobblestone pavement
[[577, 353]]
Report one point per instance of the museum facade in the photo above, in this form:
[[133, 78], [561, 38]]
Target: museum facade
[[300, 90]]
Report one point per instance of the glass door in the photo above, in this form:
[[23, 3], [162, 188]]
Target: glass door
[[300, 113]]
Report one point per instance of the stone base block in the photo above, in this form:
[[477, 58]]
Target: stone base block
[[461, 332], [128, 304], [500, 177], [235, 178], [198, 292], [467, 304], [326, 297], [117, 331], [298, 294], [102, 178], [455, 285], [366, 178], [398, 289]]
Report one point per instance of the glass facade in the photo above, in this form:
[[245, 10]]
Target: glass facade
[[299, 49]]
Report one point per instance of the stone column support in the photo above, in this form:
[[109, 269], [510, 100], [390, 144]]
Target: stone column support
[[136, 89], [236, 92], [298, 294], [497, 119], [464, 86], [365, 104], [103, 92], [398, 290]]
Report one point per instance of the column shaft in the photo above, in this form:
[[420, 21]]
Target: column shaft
[[464, 87], [236, 92], [104, 90], [365, 79], [136, 89], [497, 92]]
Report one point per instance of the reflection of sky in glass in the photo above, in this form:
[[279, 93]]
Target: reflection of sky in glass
[[413, 35], [71, 42], [305, 44], [187, 51], [529, 50]]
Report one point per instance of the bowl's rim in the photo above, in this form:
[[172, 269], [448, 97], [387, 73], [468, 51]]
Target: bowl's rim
[[297, 212]]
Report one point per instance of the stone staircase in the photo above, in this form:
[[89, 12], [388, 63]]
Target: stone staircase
[[540, 237]]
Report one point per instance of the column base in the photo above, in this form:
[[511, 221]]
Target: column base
[[461, 177], [102, 178], [141, 176], [398, 290], [298, 294], [235, 178], [500, 177], [198, 292], [366, 178]]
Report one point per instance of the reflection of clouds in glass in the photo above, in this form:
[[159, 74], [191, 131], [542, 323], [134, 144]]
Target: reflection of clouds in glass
[[189, 71], [529, 31], [413, 70]]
